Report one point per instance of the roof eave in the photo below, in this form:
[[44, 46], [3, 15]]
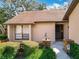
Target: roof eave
[[70, 9]]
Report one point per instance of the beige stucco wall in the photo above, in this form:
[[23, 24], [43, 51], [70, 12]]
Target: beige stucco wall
[[66, 30], [39, 30], [11, 32], [74, 25]]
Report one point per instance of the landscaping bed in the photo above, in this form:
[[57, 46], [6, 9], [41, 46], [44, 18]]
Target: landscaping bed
[[32, 51], [8, 50], [74, 51], [44, 53]]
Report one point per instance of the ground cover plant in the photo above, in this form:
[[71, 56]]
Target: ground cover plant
[[74, 51]]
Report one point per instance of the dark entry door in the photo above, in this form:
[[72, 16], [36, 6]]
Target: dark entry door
[[59, 32]]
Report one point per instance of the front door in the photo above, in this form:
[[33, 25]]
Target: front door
[[59, 32]]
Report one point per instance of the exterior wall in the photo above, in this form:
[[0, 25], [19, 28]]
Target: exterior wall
[[11, 32], [74, 25], [39, 30], [66, 30]]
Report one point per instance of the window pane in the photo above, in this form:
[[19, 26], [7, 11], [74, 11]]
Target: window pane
[[18, 29], [25, 29], [25, 32], [18, 32], [25, 36], [18, 36]]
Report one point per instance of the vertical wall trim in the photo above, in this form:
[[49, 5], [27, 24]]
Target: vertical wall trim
[[30, 33], [8, 31]]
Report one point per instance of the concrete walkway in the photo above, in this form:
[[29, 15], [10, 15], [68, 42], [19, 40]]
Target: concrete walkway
[[58, 49]]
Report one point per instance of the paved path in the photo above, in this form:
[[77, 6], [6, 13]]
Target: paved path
[[58, 49], [19, 57]]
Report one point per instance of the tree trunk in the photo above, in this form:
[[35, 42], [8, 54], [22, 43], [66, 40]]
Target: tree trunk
[[2, 28]]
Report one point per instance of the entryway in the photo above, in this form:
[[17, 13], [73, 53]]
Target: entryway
[[58, 49], [59, 32]]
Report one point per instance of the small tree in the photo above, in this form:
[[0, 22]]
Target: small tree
[[3, 18], [14, 7]]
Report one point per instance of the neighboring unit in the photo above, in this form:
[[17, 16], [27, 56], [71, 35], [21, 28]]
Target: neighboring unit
[[32, 25]]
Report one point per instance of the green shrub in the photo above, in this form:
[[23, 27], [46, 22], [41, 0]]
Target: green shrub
[[74, 50], [8, 50], [48, 54], [3, 37], [36, 53], [1, 51], [8, 53]]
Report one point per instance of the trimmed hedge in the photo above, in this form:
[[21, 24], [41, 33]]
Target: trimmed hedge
[[38, 53], [74, 50], [3, 37], [8, 50], [47, 54], [8, 53], [1, 51]]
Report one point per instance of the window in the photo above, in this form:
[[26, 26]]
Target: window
[[22, 32], [25, 32]]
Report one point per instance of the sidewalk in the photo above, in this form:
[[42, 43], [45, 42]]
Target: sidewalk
[[58, 49]]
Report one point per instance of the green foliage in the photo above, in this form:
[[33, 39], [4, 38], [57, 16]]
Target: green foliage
[[41, 7], [1, 51], [36, 53], [48, 54], [8, 53], [28, 51], [3, 16], [74, 50], [8, 50], [3, 37], [13, 8]]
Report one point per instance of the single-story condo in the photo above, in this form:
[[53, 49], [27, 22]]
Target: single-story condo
[[33, 25], [56, 24]]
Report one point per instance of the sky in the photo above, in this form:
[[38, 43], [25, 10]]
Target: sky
[[52, 3], [0, 3]]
